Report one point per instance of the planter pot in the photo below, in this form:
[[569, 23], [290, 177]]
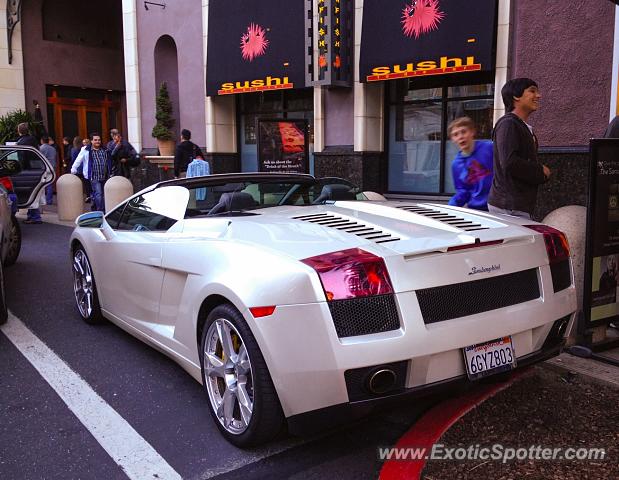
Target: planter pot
[[166, 147]]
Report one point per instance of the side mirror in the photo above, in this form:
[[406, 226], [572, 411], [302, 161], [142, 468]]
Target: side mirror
[[9, 167], [90, 220]]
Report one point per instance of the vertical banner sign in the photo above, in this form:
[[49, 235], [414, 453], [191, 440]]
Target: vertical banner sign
[[333, 43], [255, 46], [421, 38], [600, 299], [283, 146]]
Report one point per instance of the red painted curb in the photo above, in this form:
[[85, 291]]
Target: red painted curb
[[435, 422]]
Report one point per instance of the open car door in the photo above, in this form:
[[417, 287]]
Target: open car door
[[28, 169]]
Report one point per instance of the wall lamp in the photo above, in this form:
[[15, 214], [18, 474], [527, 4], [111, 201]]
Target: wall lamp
[[146, 4]]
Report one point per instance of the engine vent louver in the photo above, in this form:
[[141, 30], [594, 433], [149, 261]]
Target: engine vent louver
[[349, 226], [447, 218]]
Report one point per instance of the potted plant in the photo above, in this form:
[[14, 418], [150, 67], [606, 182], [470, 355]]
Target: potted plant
[[162, 130]]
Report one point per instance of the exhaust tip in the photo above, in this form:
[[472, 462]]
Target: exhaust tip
[[381, 381]]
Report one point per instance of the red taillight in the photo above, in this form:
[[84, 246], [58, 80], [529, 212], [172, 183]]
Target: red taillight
[[262, 311], [556, 242], [351, 273], [7, 183], [477, 243]]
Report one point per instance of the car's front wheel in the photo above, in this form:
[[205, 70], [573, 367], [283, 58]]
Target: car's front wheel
[[242, 398], [14, 246], [84, 288]]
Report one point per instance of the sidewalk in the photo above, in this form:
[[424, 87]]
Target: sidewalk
[[49, 214]]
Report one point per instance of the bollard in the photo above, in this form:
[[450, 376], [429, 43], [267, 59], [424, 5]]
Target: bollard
[[572, 220], [116, 190], [70, 197], [373, 196]]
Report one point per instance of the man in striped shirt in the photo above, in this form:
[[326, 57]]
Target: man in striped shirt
[[97, 167]]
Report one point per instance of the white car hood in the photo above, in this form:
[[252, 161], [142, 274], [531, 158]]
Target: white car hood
[[388, 228]]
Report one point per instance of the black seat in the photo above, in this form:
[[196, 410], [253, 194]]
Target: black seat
[[233, 201], [335, 192]]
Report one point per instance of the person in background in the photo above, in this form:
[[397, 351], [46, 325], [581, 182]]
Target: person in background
[[472, 167], [97, 165], [78, 144], [51, 155], [111, 143], [124, 157], [612, 131], [517, 171], [66, 154], [25, 138], [185, 152]]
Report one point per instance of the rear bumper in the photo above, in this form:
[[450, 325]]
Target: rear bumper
[[329, 417]]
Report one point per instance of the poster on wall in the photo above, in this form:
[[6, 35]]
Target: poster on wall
[[255, 46], [282, 146], [601, 299], [426, 38]]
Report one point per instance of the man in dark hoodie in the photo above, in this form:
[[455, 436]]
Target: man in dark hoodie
[[185, 152], [517, 171]]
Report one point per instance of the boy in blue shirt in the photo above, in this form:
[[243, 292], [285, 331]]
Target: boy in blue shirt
[[472, 167]]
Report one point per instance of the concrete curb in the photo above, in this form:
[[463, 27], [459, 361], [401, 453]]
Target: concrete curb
[[433, 425], [589, 370]]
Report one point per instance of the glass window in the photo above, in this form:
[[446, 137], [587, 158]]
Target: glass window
[[420, 152], [156, 210]]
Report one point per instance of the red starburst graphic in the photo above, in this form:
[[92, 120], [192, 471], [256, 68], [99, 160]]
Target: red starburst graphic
[[421, 16], [253, 43]]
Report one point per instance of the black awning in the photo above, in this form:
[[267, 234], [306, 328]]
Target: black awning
[[427, 38], [255, 46]]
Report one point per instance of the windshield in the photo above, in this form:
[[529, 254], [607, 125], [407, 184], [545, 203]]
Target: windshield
[[242, 198]]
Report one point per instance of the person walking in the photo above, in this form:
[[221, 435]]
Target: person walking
[[517, 170], [49, 152], [124, 156], [25, 138], [97, 165], [185, 152], [472, 167]]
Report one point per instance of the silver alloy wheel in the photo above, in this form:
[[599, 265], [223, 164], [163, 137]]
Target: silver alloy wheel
[[83, 283], [228, 376]]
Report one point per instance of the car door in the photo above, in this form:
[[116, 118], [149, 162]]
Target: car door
[[33, 174], [130, 274]]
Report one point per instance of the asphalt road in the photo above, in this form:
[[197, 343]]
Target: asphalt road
[[41, 437]]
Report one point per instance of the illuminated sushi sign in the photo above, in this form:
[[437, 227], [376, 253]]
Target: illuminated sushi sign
[[255, 46], [427, 38]]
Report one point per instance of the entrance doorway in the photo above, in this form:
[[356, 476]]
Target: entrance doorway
[[75, 112]]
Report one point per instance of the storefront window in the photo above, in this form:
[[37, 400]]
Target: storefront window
[[288, 104], [420, 153]]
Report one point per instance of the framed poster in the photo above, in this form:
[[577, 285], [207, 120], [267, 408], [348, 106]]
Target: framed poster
[[283, 146], [601, 299]]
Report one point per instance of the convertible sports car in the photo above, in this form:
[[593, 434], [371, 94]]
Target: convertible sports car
[[295, 300]]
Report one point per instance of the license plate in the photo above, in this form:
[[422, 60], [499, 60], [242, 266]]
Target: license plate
[[489, 358]]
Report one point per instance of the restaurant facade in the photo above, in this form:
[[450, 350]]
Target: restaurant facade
[[361, 89]]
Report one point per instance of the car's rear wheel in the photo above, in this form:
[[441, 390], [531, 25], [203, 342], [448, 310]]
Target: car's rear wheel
[[241, 394], [14, 246], [4, 313], [84, 288]]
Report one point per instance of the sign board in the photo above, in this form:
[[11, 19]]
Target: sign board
[[255, 46], [332, 56], [426, 38], [283, 146], [601, 298]]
